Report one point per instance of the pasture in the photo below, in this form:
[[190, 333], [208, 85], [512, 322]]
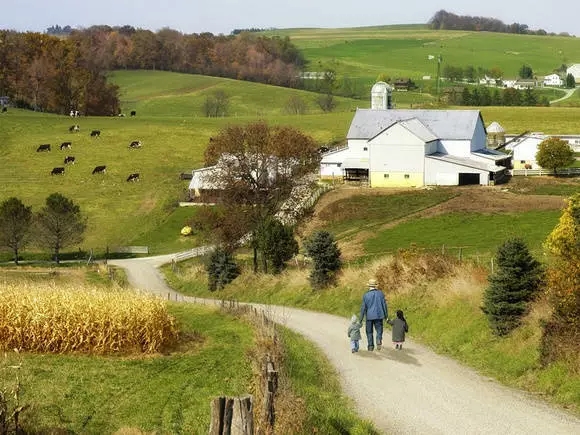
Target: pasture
[[403, 50]]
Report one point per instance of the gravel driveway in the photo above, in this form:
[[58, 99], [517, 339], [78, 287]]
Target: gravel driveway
[[413, 391]]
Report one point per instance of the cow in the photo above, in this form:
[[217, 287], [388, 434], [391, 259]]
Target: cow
[[66, 145], [43, 147], [135, 144], [99, 169], [57, 171], [133, 113], [96, 133], [133, 177], [74, 128], [4, 109], [69, 159], [323, 150]]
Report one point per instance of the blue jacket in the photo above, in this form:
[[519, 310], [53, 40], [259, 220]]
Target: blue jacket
[[373, 305]]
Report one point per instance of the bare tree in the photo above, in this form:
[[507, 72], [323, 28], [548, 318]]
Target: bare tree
[[216, 104], [295, 105]]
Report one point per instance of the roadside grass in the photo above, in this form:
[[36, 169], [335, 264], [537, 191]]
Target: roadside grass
[[443, 313], [364, 212], [478, 235]]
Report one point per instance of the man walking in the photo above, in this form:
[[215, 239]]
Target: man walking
[[374, 308]]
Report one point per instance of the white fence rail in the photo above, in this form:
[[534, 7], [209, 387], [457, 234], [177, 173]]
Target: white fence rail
[[530, 172], [195, 252]]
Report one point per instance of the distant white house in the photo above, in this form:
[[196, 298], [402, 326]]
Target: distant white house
[[575, 71], [487, 81], [394, 148], [509, 83], [525, 148], [553, 80]]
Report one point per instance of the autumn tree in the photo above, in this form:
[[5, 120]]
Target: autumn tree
[[256, 167], [15, 221], [561, 335], [60, 223], [554, 153]]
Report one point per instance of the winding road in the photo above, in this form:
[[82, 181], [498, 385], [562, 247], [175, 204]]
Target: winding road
[[413, 391]]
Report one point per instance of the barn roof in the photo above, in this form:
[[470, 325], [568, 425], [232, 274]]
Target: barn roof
[[444, 124], [466, 161], [495, 127]]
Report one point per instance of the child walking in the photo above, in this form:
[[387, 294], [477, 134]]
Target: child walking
[[354, 333], [400, 327]]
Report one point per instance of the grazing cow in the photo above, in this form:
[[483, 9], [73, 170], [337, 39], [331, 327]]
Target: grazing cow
[[74, 128], [4, 109], [135, 144], [322, 150], [69, 159], [96, 133], [43, 147], [57, 171], [99, 169], [133, 113], [133, 177], [66, 145]]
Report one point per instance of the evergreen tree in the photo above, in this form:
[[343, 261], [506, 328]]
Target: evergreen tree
[[526, 72], [570, 81], [515, 283], [484, 96], [325, 254], [530, 98], [496, 98], [221, 269], [278, 244], [466, 97]]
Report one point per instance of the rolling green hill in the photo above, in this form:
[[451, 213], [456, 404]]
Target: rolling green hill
[[403, 50]]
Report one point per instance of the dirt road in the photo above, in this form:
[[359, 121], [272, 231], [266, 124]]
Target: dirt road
[[413, 391]]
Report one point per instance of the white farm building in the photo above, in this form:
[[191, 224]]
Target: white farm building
[[390, 148]]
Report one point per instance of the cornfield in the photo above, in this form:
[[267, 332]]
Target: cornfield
[[56, 319]]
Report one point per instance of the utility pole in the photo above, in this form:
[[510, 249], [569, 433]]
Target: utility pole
[[439, 60]]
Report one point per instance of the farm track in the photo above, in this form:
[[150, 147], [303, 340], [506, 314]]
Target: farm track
[[413, 391]]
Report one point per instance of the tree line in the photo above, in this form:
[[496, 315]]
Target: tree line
[[485, 96], [48, 73], [443, 20]]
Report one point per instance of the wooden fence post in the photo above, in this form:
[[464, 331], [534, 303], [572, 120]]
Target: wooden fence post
[[232, 416], [271, 387]]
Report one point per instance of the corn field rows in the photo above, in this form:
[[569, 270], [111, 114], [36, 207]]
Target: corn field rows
[[53, 319]]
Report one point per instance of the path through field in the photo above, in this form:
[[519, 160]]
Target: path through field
[[413, 391]]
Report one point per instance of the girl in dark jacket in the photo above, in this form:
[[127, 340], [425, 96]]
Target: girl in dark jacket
[[400, 327]]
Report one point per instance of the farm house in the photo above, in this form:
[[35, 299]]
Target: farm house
[[395, 148], [525, 147]]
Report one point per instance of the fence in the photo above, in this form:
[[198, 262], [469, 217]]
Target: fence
[[195, 252], [131, 249], [530, 172]]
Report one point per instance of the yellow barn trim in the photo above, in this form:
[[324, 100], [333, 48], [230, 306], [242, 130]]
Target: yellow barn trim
[[396, 179]]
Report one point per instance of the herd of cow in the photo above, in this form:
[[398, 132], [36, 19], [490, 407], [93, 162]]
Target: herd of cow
[[70, 160]]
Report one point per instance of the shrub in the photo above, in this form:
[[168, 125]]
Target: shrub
[[325, 254], [515, 283], [221, 269]]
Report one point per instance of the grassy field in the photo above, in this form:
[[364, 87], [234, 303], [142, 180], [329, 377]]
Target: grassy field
[[402, 51]]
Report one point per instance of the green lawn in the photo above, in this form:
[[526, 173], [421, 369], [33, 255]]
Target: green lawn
[[477, 234]]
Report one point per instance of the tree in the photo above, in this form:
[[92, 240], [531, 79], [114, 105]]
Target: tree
[[325, 254], [59, 224], [277, 244], [326, 102], [530, 98], [295, 105], [562, 332], [15, 220], [570, 81], [526, 72], [216, 104], [515, 283], [256, 167], [554, 153], [221, 269]]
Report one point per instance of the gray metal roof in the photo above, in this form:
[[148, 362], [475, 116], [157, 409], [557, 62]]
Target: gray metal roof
[[445, 124], [419, 129]]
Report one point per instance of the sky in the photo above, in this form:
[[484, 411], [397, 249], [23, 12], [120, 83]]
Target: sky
[[222, 16]]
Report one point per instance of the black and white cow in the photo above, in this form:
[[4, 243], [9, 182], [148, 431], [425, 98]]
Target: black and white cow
[[69, 160], [133, 113], [135, 144], [57, 171], [4, 109], [74, 128], [65, 146], [133, 177], [96, 133], [43, 147], [100, 169]]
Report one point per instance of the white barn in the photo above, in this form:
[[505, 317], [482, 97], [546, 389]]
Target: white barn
[[416, 148]]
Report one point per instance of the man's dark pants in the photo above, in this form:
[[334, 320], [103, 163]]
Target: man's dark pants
[[377, 324]]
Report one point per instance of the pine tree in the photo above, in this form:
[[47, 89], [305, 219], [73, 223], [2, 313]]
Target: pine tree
[[278, 244], [324, 251], [512, 287], [221, 269]]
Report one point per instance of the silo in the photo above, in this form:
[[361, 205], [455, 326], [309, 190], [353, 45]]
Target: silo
[[381, 96], [495, 135]]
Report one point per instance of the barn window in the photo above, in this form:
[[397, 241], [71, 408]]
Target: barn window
[[406, 175], [386, 175], [522, 161], [365, 149]]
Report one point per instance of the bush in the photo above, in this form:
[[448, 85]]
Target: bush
[[221, 269], [515, 283], [323, 250]]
